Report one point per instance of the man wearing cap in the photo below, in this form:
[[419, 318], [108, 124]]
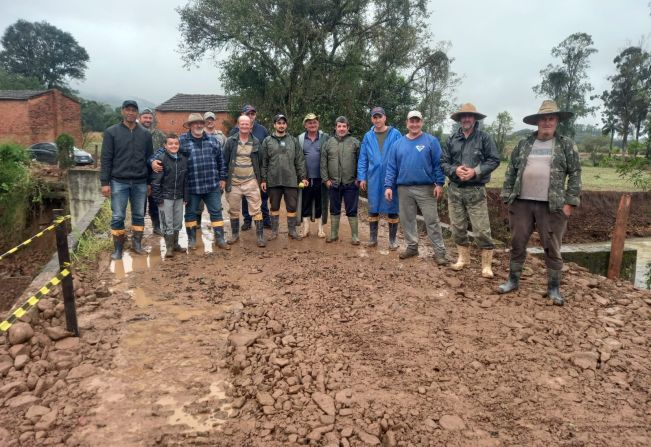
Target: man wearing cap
[[469, 157], [124, 176], [206, 178], [283, 167], [210, 129], [315, 196], [260, 132], [339, 158], [415, 166], [371, 170], [242, 157], [542, 185], [158, 139]]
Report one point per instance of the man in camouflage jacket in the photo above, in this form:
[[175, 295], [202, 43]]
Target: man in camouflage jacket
[[542, 186]]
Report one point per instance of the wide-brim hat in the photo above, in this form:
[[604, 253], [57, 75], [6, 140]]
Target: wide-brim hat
[[548, 107], [193, 118], [467, 108], [310, 116]]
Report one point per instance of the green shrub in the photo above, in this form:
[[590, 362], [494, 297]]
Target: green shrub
[[15, 190], [66, 145]]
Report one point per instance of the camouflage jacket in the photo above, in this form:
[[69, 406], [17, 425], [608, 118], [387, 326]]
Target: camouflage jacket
[[158, 138], [565, 182]]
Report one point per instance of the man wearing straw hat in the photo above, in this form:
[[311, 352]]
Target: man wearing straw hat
[[468, 159], [542, 185], [207, 175]]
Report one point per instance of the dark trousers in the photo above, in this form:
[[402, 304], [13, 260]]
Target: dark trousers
[[291, 199], [527, 215], [153, 209], [350, 196], [312, 200], [264, 208]]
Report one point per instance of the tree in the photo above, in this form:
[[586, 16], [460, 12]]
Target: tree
[[328, 57], [567, 83], [41, 51], [627, 102], [96, 117], [500, 130], [17, 82]]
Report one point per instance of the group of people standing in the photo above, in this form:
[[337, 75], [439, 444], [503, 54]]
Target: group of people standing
[[400, 174]]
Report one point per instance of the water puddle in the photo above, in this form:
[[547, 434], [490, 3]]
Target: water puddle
[[216, 399]]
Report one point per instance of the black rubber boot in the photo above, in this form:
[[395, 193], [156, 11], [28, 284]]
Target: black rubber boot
[[259, 232], [177, 247], [219, 238], [169, 245], [554, 287], [136, 243], [291, 229], [118, 245], [393, 236], [235, 231], [192, 237], [408, 253], [155, 223], [275, 223], [515, 271], [372, 239], [246, 226]]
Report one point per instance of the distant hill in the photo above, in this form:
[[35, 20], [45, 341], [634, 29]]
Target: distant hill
[[115, 100]]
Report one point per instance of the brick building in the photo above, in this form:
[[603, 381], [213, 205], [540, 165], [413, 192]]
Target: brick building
[[38, 116], [171, 114]]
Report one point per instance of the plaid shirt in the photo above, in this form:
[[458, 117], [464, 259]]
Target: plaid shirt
[[206, 165]]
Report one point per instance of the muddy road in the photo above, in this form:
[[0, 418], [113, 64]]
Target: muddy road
[[303, 343]]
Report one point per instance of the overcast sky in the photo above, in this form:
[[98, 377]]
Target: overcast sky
[[498, 46]]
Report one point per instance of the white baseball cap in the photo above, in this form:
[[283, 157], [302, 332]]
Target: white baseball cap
[[415, 114]]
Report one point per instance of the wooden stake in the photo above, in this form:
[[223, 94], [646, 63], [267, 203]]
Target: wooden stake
[[619, 237]]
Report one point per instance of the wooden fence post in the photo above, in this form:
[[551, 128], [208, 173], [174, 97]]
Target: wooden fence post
[[67, 283], [619, 237]]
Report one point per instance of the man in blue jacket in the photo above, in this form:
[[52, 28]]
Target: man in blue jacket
[[414, 165], [371, 170]]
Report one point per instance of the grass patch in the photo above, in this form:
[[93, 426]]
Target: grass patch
[[95, 240], [593, 179]]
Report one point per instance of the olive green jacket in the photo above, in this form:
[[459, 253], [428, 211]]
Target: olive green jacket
[[565, 181], [339, 159], [283, 162]]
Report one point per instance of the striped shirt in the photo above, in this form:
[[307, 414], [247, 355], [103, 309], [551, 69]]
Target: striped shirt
[[243, 169]]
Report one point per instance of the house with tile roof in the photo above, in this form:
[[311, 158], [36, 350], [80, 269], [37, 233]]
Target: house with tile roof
[[171, 114], [38, 116]]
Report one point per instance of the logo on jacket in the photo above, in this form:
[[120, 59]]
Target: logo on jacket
[[420, 147]]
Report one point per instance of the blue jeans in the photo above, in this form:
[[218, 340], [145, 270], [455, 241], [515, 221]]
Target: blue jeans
[[349, 194], [213, 201], [265, 209], [123, 193]]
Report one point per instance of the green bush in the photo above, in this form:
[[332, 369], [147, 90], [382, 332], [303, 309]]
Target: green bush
[[66, 144], [15, 189]]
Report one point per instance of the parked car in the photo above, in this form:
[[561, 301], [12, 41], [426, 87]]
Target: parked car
[[48, 153]]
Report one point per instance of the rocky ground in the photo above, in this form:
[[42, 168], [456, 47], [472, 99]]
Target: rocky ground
[[304, 343]]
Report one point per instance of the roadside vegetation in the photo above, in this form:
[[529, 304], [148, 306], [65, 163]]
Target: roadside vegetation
[[94, 241]]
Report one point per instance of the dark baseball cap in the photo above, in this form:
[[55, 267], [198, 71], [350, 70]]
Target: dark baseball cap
[[279, 117], [129, 103], [378, 111], [248, 108]]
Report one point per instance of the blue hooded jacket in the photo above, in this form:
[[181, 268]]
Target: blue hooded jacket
[[415, 162], [372, 167]]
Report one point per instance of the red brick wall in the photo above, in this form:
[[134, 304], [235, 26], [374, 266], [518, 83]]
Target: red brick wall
[[14, 122], [173, 121], [40, 119]]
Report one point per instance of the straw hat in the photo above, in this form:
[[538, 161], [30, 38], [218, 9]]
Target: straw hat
[[548, 107], [467, 108], [193, 118]]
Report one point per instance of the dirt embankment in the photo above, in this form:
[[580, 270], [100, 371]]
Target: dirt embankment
[[593, 221], [304, 343]]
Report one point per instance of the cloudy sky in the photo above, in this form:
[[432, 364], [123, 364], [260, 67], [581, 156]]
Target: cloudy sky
[[499, 46]]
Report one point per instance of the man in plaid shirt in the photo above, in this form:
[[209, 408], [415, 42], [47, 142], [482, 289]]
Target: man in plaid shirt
[[206, 178]]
